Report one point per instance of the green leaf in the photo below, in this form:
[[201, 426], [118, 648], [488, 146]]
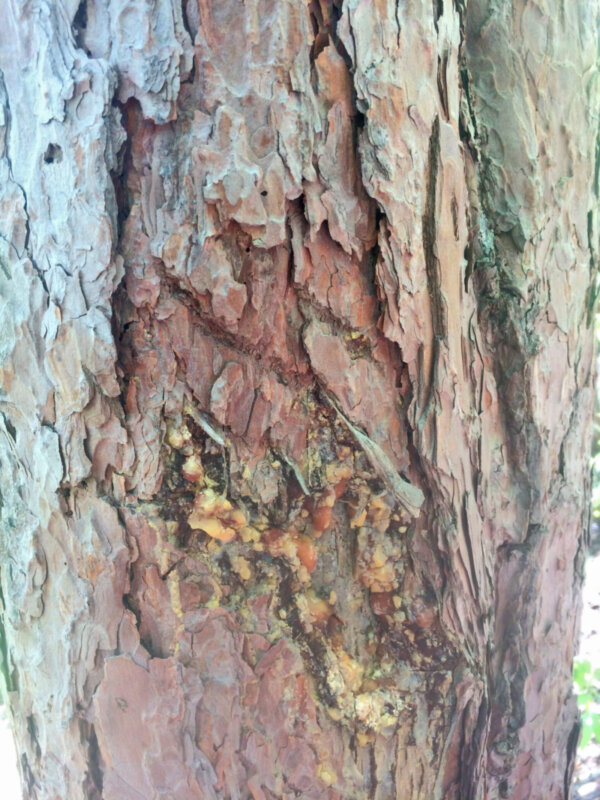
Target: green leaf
[[596, 727], [580, 672], [586, 735], [585, 699]]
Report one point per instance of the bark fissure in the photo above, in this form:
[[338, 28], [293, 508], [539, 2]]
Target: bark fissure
[[438, 303], [93, 783]]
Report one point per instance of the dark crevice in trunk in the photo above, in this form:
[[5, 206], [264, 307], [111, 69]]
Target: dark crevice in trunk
[[93, 781], [186, 22], [592, 233], [124, 160], [432, 266], [12, 432], [146, 641], [472, 751], [5, 664], [438, 11], [79, 25], [438, 303], [469, 543], [339, 45], [27, 774], [397, 20], [370, 264], [33, 736], [572, 745], [442, 84], [467, 117], [321, 31]]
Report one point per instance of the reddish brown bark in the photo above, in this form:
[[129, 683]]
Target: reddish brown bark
[[296, 370]]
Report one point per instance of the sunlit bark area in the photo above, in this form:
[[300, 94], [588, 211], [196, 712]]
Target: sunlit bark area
[[296, 349]]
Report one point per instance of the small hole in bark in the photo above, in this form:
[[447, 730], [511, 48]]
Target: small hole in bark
[[264, 193], [53, 154]]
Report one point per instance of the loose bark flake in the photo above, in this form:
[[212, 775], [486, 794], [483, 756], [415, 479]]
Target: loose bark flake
[[295, 361]]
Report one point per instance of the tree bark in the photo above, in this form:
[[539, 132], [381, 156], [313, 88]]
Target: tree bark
[[296, 364]]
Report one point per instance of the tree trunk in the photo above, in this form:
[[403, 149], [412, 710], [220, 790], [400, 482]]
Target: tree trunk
[[296, 368]]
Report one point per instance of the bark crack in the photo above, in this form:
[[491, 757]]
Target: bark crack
[[432, 266]]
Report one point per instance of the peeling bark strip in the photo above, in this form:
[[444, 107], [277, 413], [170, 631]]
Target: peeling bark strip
[[296, 394]]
